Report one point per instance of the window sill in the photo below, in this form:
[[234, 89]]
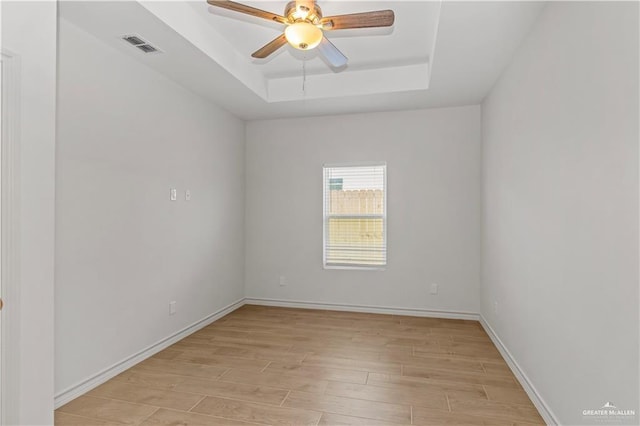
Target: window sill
[[356, 268]]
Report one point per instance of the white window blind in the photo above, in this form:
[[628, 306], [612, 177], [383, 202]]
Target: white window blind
[[355, 216]]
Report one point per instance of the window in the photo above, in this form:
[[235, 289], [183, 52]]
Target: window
[[355, 215]]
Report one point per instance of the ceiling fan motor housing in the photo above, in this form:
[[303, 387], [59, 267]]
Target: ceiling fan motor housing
[[305, 11]]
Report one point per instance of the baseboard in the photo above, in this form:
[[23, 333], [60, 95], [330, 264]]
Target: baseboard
[[416, 312], [535, 397], [86, 385]]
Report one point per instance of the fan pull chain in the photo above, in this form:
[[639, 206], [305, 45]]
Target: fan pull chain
[[304, 76]]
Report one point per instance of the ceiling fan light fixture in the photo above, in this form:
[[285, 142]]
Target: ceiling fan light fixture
[[303, 35]]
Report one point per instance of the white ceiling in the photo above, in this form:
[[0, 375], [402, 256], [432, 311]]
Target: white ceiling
[[437, 54]]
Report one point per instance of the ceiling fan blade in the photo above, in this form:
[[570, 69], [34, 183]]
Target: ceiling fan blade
[[243, 8], [332, 54], [270, 47], [378, 18]]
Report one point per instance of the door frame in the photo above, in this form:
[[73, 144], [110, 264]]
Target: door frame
[[9, 238]]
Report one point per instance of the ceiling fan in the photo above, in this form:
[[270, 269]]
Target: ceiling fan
[[305, 26]]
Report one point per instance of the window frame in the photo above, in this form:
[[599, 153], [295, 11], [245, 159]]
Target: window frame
[[326, 216]]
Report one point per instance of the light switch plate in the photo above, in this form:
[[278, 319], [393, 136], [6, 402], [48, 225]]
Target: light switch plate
[[174, 194], [187, 195]]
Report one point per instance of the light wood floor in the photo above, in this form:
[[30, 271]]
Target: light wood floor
[[265, 365]]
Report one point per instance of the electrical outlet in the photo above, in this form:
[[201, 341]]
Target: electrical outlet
[[434, 288], [172, 307], [187, 195], [495, 306], [283, 281]]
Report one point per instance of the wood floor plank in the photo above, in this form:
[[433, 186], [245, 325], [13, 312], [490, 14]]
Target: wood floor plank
[[330, 419], [252, 344], [257, 336], [281, 321], [480, 350], [498, 410], [352, 364], [440, 362], [420, 385], [233, 336], [467, 393], [426, 349], [192, 345], [180, 368], [424, 417], [108, 410], [320, 373], [507, 394], [164, 417], [152, 379], [214, 328], [474, 356], [241, 391], [223, 361], [64, 419], [425, 322], [241, 351], [277, 380], [391, 394], [393, 413], [448, 324], [467, 331], [339, 352], [253, 412], [470, 339], [258, 327], [393, 330], [433, 385], [169, 353], [497, 368], [144, 395], [457, 376], [386, 340], [334, 347]]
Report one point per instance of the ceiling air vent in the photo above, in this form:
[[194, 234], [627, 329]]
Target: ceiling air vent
[[140, 43], [147, 48]]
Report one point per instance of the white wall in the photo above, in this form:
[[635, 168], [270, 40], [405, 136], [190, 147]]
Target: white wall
[[36, 54], [560, 228], [433, 171], [127, 134]]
